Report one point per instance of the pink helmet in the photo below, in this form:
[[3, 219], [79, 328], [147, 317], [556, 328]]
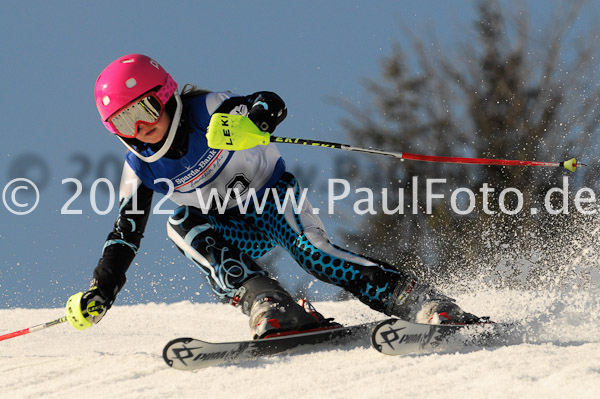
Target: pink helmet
[[128, 78]]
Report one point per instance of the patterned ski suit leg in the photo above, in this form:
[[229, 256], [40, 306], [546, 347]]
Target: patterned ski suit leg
[[375, 283], [223, 247]]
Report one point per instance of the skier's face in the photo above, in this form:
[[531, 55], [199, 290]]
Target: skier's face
[[153, 134]]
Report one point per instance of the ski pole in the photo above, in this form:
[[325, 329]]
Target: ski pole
[[570, 164], [237, 132], [33, 329]]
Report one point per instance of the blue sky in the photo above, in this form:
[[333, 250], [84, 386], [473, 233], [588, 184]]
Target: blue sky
[[52, 52]]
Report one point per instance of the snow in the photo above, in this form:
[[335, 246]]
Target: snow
[[559, 356]]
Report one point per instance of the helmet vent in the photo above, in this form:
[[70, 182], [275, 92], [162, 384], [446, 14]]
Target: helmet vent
[[131, 82]]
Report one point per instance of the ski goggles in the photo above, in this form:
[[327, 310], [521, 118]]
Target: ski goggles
[[148, 110]]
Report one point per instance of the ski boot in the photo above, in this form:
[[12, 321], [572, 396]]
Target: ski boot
[[272, 310], [444, 312], [420, 303]]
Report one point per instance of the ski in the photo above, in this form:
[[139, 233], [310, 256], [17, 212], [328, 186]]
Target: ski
[[192, 354], [399, 337], [390, 337]]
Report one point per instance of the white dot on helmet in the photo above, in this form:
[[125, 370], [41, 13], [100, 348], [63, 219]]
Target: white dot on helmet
[[131, 82], [105, 100]]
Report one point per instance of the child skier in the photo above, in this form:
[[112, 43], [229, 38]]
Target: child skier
[[168, 153]]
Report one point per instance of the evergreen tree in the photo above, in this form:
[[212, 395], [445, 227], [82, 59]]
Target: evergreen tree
[[506, 92]]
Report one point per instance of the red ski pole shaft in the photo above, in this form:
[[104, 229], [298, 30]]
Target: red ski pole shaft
[[570, 164], [33, 329], [479, 161]]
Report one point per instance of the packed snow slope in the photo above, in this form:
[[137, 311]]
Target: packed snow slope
[[558, 356]]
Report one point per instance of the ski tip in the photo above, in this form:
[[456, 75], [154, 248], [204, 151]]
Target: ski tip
[[168, 355]]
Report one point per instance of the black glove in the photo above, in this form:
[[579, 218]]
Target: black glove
[[95, 304], [267, 111]]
